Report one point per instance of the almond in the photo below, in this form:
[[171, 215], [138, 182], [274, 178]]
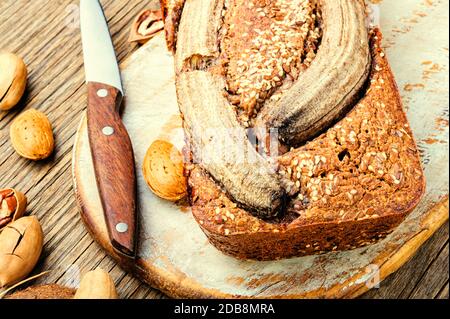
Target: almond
[[163, 170], [96, 284], [13, 80], [32, 136]]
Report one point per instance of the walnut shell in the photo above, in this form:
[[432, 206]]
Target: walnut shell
[[164, 171], [96, 284], [147, 24], [13, 80], [20, 204], [20, 248], [32, 136]]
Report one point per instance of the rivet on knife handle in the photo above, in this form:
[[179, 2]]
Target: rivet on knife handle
[[113, 159]]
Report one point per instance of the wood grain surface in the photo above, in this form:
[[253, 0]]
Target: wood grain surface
[[50, 45]]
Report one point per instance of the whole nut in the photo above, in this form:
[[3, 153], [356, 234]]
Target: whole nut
[[12, 206], [96, 284], [13, 80], [20, 247], [163, 170], [32, 136]]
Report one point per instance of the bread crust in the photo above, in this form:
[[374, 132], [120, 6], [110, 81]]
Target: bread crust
[[368, 201], [172, 10]]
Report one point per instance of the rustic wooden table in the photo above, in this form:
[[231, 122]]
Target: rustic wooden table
[[46, 34]]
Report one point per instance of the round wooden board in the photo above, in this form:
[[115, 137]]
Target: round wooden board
[[175, 256]]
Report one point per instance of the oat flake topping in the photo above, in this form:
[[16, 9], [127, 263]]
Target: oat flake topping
[[266, 44]]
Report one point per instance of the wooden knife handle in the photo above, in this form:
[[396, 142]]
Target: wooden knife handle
[[112, 155]]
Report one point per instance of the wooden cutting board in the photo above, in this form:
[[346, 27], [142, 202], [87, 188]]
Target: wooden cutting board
[[175, 256]]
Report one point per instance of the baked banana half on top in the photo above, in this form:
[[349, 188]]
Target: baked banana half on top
[[332, 83], [291, 67]]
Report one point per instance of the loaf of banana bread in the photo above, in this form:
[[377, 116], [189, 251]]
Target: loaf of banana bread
[[348, 169], [350, 187]]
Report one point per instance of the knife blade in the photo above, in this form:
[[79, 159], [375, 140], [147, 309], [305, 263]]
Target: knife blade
[[111, 148], [374, 14]]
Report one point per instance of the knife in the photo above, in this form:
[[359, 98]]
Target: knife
[[111, 148]]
